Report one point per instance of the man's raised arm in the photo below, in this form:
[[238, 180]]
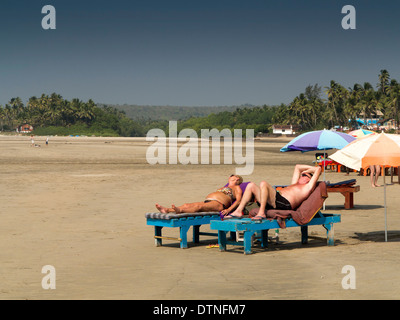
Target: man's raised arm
[[300, 168]]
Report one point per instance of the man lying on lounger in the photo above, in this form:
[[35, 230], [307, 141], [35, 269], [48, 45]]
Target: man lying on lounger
[[304, 181]]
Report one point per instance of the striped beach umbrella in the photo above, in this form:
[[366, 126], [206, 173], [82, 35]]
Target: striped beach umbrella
[[375, 149], [361, 133], [318, 140]]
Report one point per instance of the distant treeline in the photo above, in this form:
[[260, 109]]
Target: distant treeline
[[343, 105], [141, 113], [51, 114], [257, 118]]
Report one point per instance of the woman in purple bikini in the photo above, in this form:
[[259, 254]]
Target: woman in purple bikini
[[224, 200]]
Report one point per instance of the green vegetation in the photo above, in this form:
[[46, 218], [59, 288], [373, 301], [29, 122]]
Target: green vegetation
[[53, 115], [156, 113], [342, 105]]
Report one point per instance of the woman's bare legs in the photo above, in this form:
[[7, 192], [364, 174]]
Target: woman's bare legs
[[375, 172], [163, 209], [192, 207]]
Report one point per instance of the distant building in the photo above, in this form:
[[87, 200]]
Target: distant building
[[25, 128], [387, 124], [285, 129], [371, 122]]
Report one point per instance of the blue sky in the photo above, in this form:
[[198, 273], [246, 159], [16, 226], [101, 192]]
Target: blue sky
[[193, 52]]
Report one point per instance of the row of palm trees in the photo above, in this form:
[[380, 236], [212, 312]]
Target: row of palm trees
[[344, 104], [45, 111], [307, 109]]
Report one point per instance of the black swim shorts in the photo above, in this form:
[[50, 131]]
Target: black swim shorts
[[281, 203]]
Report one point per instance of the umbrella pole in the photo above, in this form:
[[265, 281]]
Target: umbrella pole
[[324, 176], [384, 195], [324, 164]]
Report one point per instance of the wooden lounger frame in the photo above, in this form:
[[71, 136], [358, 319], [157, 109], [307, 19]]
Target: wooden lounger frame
[[183, 222], [250, 227]]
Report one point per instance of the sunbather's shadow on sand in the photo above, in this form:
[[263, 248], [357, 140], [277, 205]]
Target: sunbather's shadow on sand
[[356, 207], [285, 244], [273, 245], [378, 236], [313, 242]]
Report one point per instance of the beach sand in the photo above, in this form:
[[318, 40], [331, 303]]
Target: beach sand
[[78, 204]]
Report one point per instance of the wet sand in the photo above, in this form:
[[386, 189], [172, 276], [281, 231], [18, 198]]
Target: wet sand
[[78, 204]]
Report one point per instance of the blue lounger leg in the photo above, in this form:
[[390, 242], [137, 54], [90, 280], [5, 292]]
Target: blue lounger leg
[[247, 241], [183, 234], [329, 234], [304, 234], [222, 240], [264, 238], [157, 233], [196, 234]]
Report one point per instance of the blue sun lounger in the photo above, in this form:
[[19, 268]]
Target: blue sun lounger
[[182, 221], [250, 228], [307, 214]]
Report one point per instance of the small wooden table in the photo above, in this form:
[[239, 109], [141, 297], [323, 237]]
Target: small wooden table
[[347, 192]]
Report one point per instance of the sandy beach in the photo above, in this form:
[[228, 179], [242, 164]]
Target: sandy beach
[[78, 204]]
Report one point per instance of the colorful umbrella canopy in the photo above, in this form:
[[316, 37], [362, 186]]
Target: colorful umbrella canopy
[[377, 149], [318, 140], [360, 133]]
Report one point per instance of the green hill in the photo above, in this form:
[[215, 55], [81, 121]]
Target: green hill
[[137, 112]]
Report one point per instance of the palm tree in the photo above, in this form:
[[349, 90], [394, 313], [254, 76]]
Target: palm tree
[[351, 107], [32, 107], [368, 101], [293, 113], [89, 110], [332, 92], [77, 107], [304, 109], [51, 115], [2, 117], [54, 108], [8, 115], [337, 96], [383, 84], [41, 110], [343, 97], [67, 113], [17, 108], [383, 90], [394, 100]]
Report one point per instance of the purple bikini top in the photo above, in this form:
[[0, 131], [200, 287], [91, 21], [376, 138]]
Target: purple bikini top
[[242, 186]]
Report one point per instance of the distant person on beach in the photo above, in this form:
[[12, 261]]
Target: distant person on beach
[[223, 200], [304, 181], [32, 141], [47, 141], [375, 172]]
